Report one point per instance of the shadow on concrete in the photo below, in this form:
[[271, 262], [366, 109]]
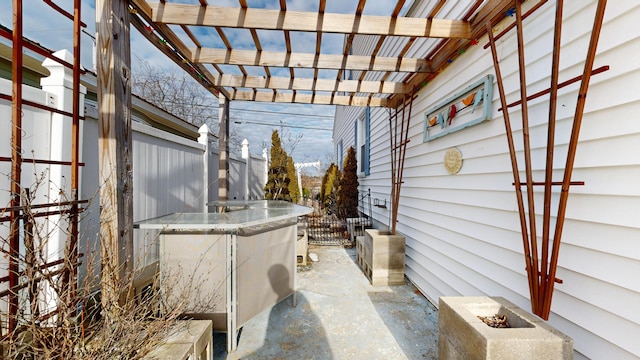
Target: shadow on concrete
[[290, 333], [410, 317]]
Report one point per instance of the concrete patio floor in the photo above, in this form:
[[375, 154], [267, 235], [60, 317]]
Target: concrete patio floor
[[339, 315]]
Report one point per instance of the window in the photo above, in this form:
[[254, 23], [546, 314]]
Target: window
[[363, 142], [340, 154]]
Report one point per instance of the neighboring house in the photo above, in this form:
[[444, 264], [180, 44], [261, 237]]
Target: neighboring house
[[462, 231]]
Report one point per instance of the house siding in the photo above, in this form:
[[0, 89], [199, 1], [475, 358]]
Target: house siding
[[346, 133], [462, 231]]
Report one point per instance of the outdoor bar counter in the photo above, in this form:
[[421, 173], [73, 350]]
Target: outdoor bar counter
[[240, 253]]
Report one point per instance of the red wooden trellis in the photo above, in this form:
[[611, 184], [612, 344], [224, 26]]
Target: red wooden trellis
[[21, 211], [399, 120], [541, 270]]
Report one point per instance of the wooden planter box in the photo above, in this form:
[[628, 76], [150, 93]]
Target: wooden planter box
[[380, 255], [462, 335]]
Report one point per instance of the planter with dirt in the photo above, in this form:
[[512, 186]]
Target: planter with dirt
[[494, 328]]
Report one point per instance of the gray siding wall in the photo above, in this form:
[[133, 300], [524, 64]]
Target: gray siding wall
[[462, 231]]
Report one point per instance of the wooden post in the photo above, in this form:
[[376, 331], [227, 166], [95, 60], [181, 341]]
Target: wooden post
[[223, 147], [115, 149]]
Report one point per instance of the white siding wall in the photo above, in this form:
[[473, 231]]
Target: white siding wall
[[346, 132], [463, 230]]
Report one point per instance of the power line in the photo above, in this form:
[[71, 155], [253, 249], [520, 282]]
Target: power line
[[252, 110], [284, 113], [283, 125]]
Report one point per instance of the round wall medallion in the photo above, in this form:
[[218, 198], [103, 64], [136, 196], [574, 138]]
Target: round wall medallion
[[453, 161]]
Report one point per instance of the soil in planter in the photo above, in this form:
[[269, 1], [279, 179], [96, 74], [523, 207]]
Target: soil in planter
[[496, 321]]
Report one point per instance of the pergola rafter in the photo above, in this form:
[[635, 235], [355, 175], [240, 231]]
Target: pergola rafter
[[165, 17], [249, 18], [309, 84], [348, 42], [307, 60]]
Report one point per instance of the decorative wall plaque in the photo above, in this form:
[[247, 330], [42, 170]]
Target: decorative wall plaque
[[468, 107], [453, 161]]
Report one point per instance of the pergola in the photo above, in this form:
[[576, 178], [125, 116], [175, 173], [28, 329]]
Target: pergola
[[385, 80], [175, 29], [389, 80]]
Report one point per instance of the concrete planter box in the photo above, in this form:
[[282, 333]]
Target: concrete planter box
[[186, 339], [380, 255], [462, 335], [302, 245]]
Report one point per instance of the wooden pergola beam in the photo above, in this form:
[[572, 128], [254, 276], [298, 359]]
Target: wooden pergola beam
[[307, 84], [182, 14], [297, 98], [306, 60]]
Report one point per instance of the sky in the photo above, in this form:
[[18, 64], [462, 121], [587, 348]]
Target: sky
[[253, 121]]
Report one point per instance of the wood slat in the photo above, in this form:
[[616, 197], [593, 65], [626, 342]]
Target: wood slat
[[321, 7], [287, 37], [227, 43], [287, 42], [193, 38], [436, 9], [256, 41], [142, 6], [307, 84], [349, 41], [376, 49], [182, 14], [261, 96], [305, 60]]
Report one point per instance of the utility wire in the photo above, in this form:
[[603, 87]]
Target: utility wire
[[255, 111], [283, 125], [284, 113]]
